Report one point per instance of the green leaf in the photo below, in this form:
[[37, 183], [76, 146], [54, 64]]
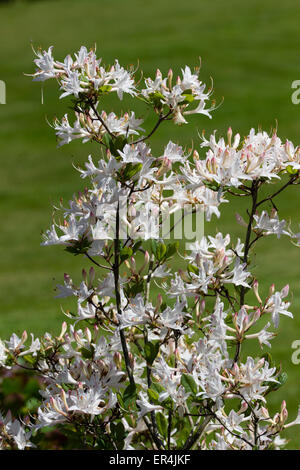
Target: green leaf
[[105, 88], [273, 386], [151, 351], [118, 434], [31, 405], [79, 246], [155, 99], [153, 396], [86, 353], [268, 358], [167, 403], [136, 246], [189, 384], [172, 249], [30, 359], [153, 245], [192, 269], [161, 250], [130, 170], [189, 98], [291, 170], [129, 396], [114, 144], [133, 290], [162, 424], [125, 253]]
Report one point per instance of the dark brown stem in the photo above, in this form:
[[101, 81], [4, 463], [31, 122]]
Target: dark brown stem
[[254, 192], [269, 198], [101, 120], [160, 120], [197, 434], [96, 263], [118, 298]]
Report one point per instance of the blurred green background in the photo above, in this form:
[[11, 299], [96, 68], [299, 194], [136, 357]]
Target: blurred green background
[[252, 51]]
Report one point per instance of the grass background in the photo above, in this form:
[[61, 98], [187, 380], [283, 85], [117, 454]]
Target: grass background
[[252, 51]]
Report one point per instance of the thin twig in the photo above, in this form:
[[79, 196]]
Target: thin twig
[[160, 120]]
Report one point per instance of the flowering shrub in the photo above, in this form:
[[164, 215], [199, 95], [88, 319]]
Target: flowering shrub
[[134, 370]]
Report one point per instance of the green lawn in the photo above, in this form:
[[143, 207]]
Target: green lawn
[[252, 51]]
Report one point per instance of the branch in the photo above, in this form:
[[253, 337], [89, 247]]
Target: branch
[[194, 437], [160, 120], [101, 120], [96, 263], [118, 298], [269, 198]]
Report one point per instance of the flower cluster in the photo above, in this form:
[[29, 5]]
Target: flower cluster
[[151, 357]]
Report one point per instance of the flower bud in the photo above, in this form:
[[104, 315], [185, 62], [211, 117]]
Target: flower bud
[[255, 289], [284, 412], [118, 359], [91, 275], [244, 407], [64, 327], [272, 289], [229, 136], [285, 291], [265, 412], [146, 262], [159, 302], [256, 316], [236, 141], [131, 360], [196, 155], [24, 337], [88, 334], [131, 211], [170, 77]]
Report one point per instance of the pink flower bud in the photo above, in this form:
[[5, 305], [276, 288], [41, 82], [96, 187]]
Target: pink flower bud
[[24, 336], [88, 334], [131, 360], [159, 301], [255, 289], [285, 291], [272, 289], [196, 155], [244, 407], [229, 136], [118, 359], [64, 327], [91, 275], [265, 412]]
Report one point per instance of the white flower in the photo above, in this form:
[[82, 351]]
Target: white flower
[[123, 82], [145, 407], [239, 275], [3, 355], [15, 430], [46, 65], [276, 306], [270, 225]]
